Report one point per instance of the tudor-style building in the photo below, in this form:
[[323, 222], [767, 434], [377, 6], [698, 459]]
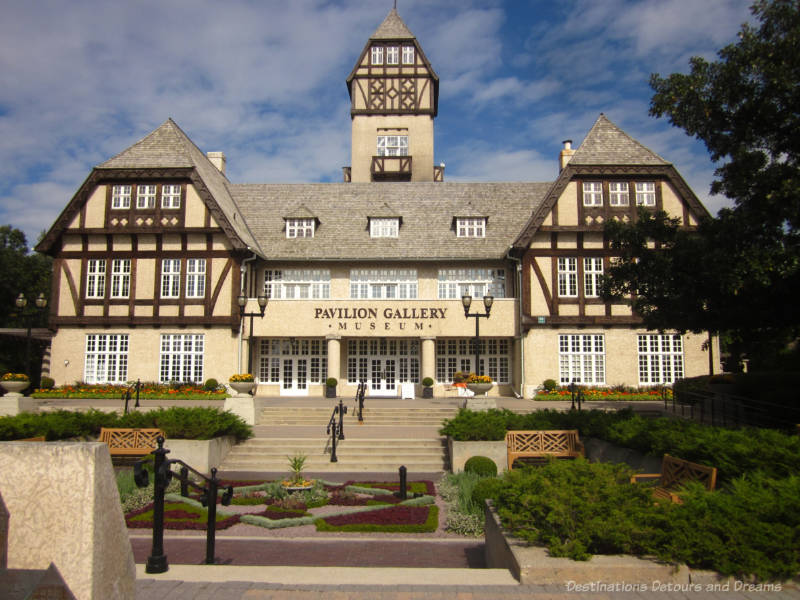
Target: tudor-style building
[[363, 279]]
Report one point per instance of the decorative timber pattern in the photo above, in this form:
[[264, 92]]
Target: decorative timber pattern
[[543, 444]]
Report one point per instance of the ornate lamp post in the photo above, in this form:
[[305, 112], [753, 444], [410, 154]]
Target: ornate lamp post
[[22, 302], [262, 306], [487, 303]]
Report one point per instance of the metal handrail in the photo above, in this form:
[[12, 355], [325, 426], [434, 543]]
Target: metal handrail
[[731, 410], [360, 392], [332, 431], [126, 395]]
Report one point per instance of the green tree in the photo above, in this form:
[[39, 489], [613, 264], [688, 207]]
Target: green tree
[[738, 273]]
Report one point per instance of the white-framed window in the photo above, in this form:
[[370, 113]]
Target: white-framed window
[[297, 284], [361, 352], [408, 55], [121, 196], [471, 227], [581, 358], [592, 193], [272, 351], [567, 277], [660, 358], [377, 55], [146, 196], [384, 227], [195, 277], [299, 228], [392, 145], [592, 276], [392, 55], [170, 196], [120, 277], [388, 284], [618, 193], [106, 358], [454, 355], [181, 357], [455, 283], [170, 278], [645, 193], [96, 278]]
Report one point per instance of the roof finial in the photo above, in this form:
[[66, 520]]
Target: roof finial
[[395, 4]]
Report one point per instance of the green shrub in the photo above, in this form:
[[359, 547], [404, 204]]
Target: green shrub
[[193, 423], [549, 384], [46, 383], [331, 382], [486, 488], [481, 465], [427, 381], [210, 385]]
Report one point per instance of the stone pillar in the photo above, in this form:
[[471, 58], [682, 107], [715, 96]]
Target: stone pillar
[[334, 356], [428, 358]]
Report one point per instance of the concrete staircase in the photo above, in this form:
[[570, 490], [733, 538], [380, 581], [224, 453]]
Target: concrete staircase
[[388, 438]]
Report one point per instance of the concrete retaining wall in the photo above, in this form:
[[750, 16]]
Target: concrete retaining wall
[[202, 455]]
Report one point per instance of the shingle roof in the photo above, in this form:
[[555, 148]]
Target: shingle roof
[[169, 147], [392, 28], [427, 211], [607, 144]]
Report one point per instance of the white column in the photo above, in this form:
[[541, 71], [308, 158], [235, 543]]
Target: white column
[[334, 357], [428, 358]]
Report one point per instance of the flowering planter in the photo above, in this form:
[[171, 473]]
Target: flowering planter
[[14, 388], [242, 388], [479, 388]]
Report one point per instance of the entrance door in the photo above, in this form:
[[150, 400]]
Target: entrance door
[[295, 377], [383, 377]]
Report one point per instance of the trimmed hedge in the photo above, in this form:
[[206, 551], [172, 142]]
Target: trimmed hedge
[[481, 465]]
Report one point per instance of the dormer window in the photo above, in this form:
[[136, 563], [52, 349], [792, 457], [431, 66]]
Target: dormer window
[[471, 227], [408, 55], [384, 227], [392, 145], [377, 55], [392, 55], [592, 193], [299, 228]]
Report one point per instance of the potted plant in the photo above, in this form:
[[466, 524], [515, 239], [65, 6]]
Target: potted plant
[[330, 387], [243, 383], [478, 384], [297, 481], [427, 387], [14, 383]]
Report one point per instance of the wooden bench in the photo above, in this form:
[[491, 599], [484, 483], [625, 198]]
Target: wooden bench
[[541, 445], [38, 438], [675, 472], [130, 442]]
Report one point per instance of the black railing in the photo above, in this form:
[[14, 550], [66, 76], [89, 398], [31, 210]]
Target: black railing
[[163, 474], [126, 395], [576, 392], [360, 393], [730, 410], [336, 428]]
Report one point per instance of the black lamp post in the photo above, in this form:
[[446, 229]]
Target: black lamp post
[[262, 306], [22, 302], [487, 303]]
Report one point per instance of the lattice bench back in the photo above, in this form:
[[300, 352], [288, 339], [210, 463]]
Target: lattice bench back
[[133, 442], [542, 444], [676, 471]]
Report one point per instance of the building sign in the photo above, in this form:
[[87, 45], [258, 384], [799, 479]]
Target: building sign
[[374, 319]]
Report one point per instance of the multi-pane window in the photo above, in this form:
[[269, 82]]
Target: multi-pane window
[[96, 278], [146, 196], [459, 355], [592, 193], [121, 196], [473, 227], [408, 55], [618, 193], [170, 196], [273, 351], [455, 283], [360, 354], [120, 277], [377, 55], [581, 358], [384, 227], [297, 284], [392, 145], [106, 358], [592, 276], [567, 277], [387, 284], [181, 358], [170, 278], [660, 358], [299, 228], [392, 55], [195, 277], [645, 193]]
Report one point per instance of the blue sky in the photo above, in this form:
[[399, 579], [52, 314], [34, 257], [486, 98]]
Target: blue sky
[[264, 82]]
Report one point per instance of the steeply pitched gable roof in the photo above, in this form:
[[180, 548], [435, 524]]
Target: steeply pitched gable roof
[[392, 28], [607, 144]]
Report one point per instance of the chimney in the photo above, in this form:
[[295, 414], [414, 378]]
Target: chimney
[[566, 155], [218, 160]]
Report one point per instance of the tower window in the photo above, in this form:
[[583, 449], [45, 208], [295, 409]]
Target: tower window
[[645, 193], [408, 55], [392, 145], [592, 193], [392, 55], [377, 55]]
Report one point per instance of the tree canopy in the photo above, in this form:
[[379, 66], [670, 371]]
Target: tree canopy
[[738, 273]]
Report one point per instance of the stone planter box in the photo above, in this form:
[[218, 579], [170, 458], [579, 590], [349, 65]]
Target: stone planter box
[[479, 388], [243, 388], [11, 405], [460, 452], [534, 565], [202, 455], [14, 388]]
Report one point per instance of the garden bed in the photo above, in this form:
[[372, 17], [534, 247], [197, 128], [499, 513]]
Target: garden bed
[[148, 391]]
